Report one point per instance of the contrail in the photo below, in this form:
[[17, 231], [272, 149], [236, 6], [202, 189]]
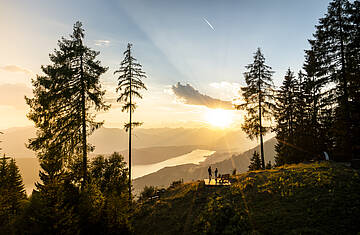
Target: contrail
[[209, 23]]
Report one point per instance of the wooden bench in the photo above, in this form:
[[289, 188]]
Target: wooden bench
[[224, 178]]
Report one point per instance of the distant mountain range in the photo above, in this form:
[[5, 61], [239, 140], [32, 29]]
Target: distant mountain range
[[109, 140]]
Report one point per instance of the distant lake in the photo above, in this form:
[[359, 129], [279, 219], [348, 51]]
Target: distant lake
[[29, 167], [194, 157]]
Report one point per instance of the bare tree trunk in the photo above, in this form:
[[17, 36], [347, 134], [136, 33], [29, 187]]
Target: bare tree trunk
[[130, 129], [261, 139], [260, 122]]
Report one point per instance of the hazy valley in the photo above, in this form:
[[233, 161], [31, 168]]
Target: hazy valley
[[157, 146]]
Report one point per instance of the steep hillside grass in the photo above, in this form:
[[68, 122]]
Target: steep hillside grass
[[318, 198]]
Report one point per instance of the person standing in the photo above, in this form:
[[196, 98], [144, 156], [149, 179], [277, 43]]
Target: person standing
[[209, 170]]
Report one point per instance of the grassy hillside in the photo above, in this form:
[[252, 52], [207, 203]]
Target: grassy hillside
[[317, 198]]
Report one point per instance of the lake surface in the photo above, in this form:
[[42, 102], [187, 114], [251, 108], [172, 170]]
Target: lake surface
[[194, 157]]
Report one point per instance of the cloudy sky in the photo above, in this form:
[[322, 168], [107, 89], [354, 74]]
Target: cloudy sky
[[194, 52]]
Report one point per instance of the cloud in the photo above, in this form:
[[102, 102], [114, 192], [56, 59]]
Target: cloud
[[189, 95], [102, 43], [16, 69], [13, 95]]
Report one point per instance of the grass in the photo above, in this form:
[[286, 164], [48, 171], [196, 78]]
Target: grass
[[317, 198]]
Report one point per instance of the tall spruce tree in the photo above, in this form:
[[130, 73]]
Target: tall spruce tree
[[129, 85], [285, 119], [354, 76], [258, 97], [333, 44], [12, 192], [255, 162], [312, 87], [62, 101], [304, 128]]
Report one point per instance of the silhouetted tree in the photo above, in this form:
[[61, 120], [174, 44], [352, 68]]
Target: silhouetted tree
[[353, 65], [129, 85], [62, 101], [258, 97], [12, 193], [51, 212], [268, 165], [255, 162], [102, 207], [334, 45], [315, 102], [111, 177], [285, 112]]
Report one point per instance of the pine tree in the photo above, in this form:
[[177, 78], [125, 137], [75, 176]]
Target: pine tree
[[312, 87], [306, 127], [255, 162], [353, 60], [62, 101], [285, 119], [321, 103], [16, 186], [333, 45], [258, 97], [268, 165], [129, 85], [12, 192]]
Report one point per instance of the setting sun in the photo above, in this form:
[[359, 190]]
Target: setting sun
[[219, 117]]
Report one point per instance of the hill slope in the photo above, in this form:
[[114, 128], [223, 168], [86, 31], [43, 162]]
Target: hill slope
[[318, 198]]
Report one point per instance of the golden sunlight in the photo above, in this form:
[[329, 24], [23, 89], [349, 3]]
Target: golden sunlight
[[219, 117]]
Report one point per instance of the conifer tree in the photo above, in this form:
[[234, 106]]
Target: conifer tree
[[312, 88], [303, 138], [333, 46], [16, 185], [129, 85], [285, 119], [12, 192], [353, 60], [62, 101], [255, 162], [268, 165], [258, 97]]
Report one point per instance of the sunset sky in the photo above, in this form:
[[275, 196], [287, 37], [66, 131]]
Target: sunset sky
[[189, 49]]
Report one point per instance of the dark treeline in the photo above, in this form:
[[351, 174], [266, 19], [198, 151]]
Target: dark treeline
[[319, 109], [316, 110]]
